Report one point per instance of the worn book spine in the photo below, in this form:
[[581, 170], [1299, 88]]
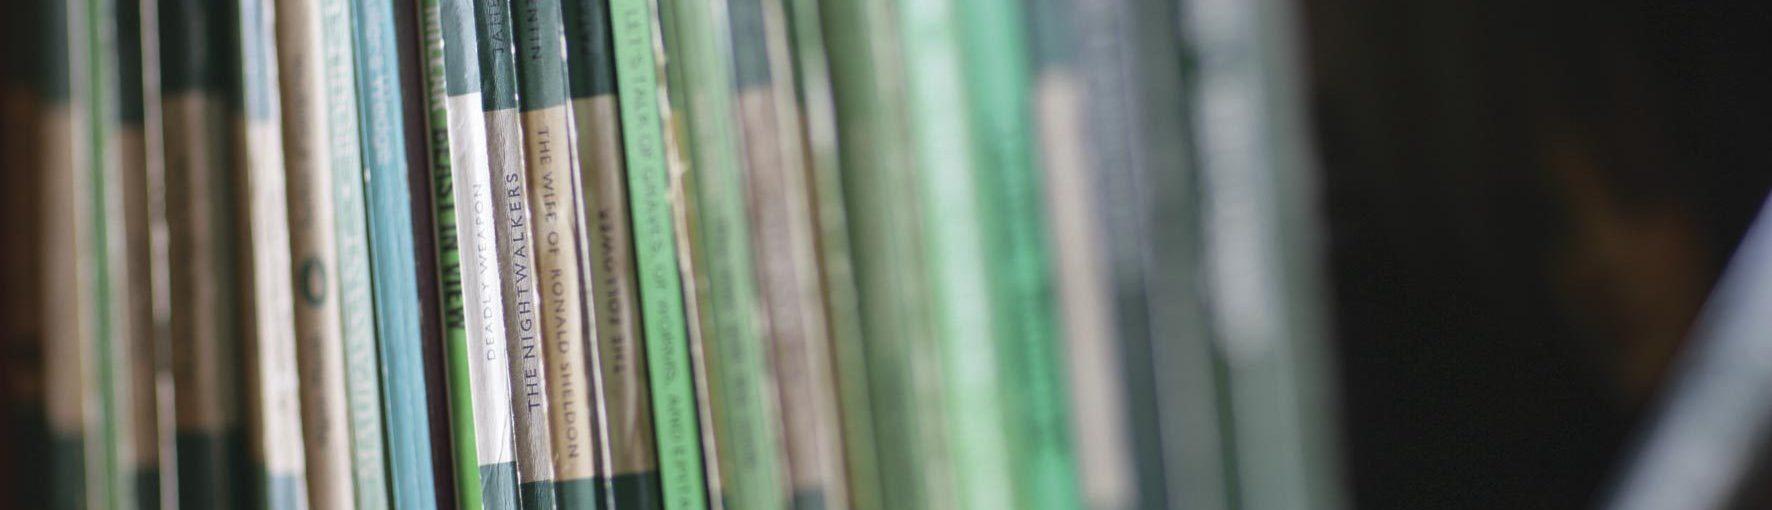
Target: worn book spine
[[645, 117], [275, 415], [504, 136], [751, 471], [205, 300], [66, 157], [468, 262], [967, 323], [896, 318], [810, 92], [552, 177], [785, 252], [1262, 250], [628, 455], [998, 77], [307, 146], [394, 256]]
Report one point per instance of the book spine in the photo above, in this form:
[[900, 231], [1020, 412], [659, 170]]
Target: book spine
[[1262, 250], [782, 238], [66, 148], [905, 394], [965, 321], [139, 27], [275, 414], [740, 386], [393, 256], [639, 55], [630, 457], [998, 76], [139, 333], [307, 145], [205, 301], [811, 89], [467, 231], [111, 281], [504, 135], [552, 176]]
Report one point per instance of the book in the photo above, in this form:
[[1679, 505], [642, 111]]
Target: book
[[747, 447], [142, 332], [551, 171], [504, 135], [1262, 251], [473, 307], [274, 410], [779, 201], [1012, 214], [811, 90], [105, 261], [67, 154], [204, 298], [629, 456], [309, 145], [884, 223], [394, 272], [650, 147]]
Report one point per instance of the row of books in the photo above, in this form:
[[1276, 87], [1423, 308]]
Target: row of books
[[683, 254]]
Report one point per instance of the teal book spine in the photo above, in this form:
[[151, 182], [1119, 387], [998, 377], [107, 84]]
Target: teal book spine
[[1013, 212], [649, 148], [393, 257]]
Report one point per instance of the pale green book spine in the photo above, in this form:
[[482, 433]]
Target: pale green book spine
[[109, 284], [645, 117], [966, 319], [473, 306], [745, 419], [998, 77]]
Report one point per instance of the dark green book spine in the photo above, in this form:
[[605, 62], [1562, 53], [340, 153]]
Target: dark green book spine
[[393, 257], [639, 55]]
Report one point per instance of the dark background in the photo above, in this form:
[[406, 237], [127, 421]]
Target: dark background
[[1528, 202]]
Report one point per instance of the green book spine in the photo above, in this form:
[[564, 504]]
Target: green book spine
[[835, 264], [473, 306], [896, 322], [998, 77], [630, 456], [639, 56], [393, 256], [274, 414], [1262, 249], [751, 472], [205, 300], [109, 284], [504, 135], [552, 176], [786, 253], [356, 297], [966, 318], [308, 146]]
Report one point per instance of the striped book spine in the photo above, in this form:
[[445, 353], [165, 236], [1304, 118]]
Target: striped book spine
[[505, 157], [307, 145], [639, 55], [393, 257], [274, 416], [629, 454], [552, 176], [998, 76], [205, 300], [480, 387]]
